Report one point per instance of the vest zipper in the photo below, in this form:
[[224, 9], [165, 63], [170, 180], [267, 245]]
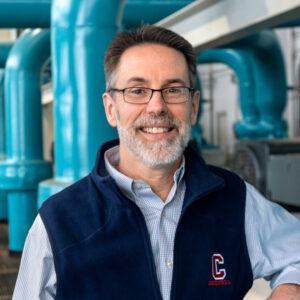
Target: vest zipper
[[199, 197], [144, 231]]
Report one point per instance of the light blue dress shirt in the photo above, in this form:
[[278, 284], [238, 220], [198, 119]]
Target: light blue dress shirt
[[272, 235]]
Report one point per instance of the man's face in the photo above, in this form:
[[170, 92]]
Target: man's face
[[155, 133]]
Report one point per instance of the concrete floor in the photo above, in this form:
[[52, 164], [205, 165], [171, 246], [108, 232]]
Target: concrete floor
[[9, 265]]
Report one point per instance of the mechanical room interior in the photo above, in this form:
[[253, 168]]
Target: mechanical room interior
[[249, 80]]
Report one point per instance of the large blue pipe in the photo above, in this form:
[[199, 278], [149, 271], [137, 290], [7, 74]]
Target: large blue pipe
[[2, 133], [36, 13], [270, 87], [3, 200], [24, 166], [81, 32], [258, 63], [137, 12], [238, 60], [271, 84], [25, 13], [4, 51]]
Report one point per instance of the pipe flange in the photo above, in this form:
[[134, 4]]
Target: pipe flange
[[23, 175]]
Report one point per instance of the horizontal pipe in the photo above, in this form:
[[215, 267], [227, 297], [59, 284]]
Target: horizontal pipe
[[36, 13], [25, 13], [137, 12]]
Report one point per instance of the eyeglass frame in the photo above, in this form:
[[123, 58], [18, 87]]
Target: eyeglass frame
[[190, 90]]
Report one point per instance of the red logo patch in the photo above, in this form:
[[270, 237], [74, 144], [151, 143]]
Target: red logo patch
[[218, 273]]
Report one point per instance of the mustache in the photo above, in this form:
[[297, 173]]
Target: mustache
[[156, 120]]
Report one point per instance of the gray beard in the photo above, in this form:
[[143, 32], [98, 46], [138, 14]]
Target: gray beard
[[155, 154]]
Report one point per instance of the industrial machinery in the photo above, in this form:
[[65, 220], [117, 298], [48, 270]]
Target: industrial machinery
[[272, 166]]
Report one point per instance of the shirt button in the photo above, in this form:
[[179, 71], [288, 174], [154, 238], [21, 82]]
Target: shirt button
[[163, 214], [169, 263]]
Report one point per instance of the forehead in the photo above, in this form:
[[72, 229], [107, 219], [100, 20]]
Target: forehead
[[152, 63]]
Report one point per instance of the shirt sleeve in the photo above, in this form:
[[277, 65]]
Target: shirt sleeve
[[273, 240], [36, 278]]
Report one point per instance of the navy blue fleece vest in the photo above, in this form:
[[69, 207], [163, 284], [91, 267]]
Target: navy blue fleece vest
[[102, 249]]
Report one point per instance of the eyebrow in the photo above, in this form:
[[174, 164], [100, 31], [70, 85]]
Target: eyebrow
[[167, 82], [175, 80], [137, 79]]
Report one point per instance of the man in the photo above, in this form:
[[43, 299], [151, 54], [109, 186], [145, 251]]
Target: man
[[152, 220]]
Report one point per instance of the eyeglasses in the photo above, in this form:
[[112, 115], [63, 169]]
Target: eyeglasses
[[142, 95]]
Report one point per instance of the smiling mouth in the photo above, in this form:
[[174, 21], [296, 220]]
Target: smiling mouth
[[156, 130]]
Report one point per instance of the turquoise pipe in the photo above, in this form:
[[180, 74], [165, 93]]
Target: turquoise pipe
[[270, 86], [24, 166], [258, 63], [25, 13], [239, 61], [137, 12], [81, 32], [36, 13], [2, 133], [3, 200], [4, 51]]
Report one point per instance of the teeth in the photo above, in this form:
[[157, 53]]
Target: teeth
[[156, 129]]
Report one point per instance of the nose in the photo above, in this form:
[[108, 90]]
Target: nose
[[156, 103]]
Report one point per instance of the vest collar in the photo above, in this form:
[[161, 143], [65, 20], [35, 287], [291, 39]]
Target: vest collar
[[199, 179]]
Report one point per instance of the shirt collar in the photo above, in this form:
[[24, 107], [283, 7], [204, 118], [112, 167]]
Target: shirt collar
[[127, 185]]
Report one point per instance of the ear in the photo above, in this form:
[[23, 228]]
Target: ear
[[110, 109], [195, 106]]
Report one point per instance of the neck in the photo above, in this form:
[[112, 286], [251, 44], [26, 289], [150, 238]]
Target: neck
[[160, 179]]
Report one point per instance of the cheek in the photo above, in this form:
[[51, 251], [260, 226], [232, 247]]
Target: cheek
[[126, 116], [116, 114], [183, 115]]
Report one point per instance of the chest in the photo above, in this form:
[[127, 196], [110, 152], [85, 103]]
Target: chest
[[210, 259]]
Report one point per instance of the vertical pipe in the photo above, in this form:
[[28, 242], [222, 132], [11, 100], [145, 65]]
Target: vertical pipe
[[270, 86], [24, 166], [4, 51], [271, 92], [239, 61], [23, 97], [3, 201], [81, 32]]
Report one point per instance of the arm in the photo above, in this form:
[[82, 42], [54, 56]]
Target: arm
[[273, 240], [37, 277], [286, 292]]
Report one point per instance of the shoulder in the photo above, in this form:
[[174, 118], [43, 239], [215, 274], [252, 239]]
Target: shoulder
[[233, 182], [77, 198], [74, 213], [226, 174], [67, 194]]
